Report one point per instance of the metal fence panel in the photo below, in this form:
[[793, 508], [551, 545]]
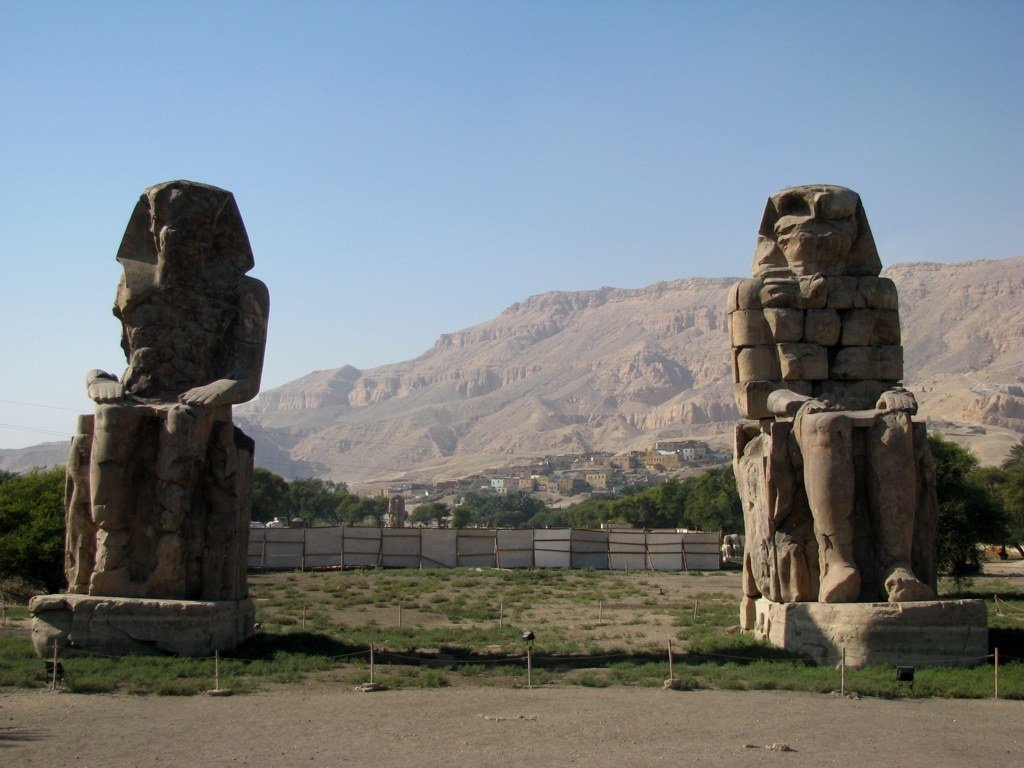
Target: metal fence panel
[[323, 547], [440, 548], [362, 546], [627, 549], [515, 548], [589, 548], [552, 547], [476, 548], [400, 547]]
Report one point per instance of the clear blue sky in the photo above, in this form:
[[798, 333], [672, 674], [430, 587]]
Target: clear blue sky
[[407, 169]]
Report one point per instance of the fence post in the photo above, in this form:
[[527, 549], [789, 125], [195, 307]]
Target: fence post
[[997, 674], [501, 612], [216, 670], [399, 614], [371, 663], [842, 674], [529, 667], [671, 673], [53, 683]]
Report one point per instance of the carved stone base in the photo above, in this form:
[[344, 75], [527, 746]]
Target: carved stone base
[[934, 632], [121, 625]]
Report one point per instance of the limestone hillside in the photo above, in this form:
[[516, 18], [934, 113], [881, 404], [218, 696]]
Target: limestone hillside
[[615, 369]]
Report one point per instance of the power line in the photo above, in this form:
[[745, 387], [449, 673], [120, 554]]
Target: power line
[[36, 429], [40, 405]]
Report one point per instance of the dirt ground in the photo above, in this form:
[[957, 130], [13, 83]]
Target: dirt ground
[[325, 724], [612, 727]]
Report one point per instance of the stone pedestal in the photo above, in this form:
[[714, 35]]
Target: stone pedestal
[[121, 625], [926, 633]]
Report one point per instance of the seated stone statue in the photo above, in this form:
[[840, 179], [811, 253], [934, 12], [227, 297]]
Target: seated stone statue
[[159, 477], [836, 477]]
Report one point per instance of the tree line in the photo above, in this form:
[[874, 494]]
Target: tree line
[[977, 505]]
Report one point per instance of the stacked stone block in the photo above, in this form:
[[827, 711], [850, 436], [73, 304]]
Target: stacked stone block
[[835, 338]]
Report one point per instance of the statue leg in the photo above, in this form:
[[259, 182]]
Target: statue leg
[[182, 450], [892, 493], [826, 443], [80, 546], [112, 494]]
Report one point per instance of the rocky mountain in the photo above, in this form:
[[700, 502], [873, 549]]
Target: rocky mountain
[[616, 369]]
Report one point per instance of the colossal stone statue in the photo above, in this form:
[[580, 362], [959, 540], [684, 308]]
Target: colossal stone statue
[[396, 514], [816, 341], [836, 476], [159, 478]]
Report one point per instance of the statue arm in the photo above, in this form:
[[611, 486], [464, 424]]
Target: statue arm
[[103, 387], [783, 402], [242, 382]]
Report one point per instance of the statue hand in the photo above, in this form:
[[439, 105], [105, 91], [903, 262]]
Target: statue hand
[[816, 406], [897, 400], [209, 395], [103, 387]]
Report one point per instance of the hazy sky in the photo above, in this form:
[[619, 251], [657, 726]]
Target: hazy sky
[[407, 169]]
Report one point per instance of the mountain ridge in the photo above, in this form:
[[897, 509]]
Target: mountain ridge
[[615, 369]]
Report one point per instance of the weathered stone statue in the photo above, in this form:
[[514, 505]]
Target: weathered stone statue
[[396, 514], [836, 477], [159, 478]]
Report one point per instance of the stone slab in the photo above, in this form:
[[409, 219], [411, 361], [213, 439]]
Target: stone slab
[[926, 633], [120, 625]]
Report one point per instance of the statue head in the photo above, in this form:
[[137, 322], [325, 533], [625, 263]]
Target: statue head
[[184, 233], [815, 229]]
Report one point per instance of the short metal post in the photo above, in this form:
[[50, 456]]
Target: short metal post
[[997, 673], [842, 674], [671, 673], [54, 681], [371, 664], [216, 670], [529, 667]]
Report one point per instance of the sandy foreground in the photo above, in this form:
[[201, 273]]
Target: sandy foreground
[[324, 725]]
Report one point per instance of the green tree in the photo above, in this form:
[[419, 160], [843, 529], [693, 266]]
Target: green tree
[[463, 517], [712, 501], [970, 510], [271, 496], [431, 512], [32, 527], [1011, 488]]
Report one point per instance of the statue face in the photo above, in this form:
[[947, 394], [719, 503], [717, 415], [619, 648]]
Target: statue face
[[180, 229], [816, 228]]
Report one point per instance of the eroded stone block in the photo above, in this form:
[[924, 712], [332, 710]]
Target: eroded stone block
[[878, 292], [784, 324], [884, 363], [803, 362], [746, 294], [748, 328], [760, 362], [842, 291], [822, 326]]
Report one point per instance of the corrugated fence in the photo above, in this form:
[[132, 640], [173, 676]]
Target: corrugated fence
[[354, 547]]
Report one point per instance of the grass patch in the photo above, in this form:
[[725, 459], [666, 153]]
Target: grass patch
[[593, 628]]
